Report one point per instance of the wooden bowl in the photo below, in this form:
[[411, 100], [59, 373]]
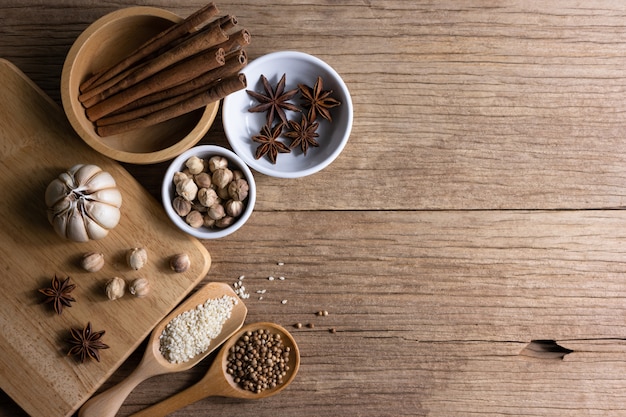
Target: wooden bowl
[[105, 42]]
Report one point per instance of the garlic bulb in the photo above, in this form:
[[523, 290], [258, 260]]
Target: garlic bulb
[[83, 203]]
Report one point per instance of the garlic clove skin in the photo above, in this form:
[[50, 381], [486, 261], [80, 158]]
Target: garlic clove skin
[[67, 179], [105, 215], [56, 194], [76, 227], [95, 231], [59, 223], [83, 173], [111, 196], [100, 181]]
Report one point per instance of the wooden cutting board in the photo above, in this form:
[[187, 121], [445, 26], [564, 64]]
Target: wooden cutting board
[[36, 144]]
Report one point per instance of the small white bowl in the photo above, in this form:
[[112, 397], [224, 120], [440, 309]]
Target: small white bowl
[[168, 192], [240, 124]]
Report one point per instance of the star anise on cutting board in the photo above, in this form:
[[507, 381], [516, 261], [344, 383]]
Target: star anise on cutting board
[[269, 143], [275, 101], [59, 293], [303, 134], [317, 100], [85, 343]]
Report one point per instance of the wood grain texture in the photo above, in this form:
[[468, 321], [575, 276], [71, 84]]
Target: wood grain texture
[[434, 321], [470, 233]]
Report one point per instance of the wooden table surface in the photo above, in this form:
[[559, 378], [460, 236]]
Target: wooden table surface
[[468, 244]]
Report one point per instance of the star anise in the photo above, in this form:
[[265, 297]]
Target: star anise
[[59, 293], [317, 100], [303, 134], [269, 143], [85, 343], [274, 101]]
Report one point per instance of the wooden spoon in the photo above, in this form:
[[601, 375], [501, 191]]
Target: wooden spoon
[[217, 382], [154, 363]]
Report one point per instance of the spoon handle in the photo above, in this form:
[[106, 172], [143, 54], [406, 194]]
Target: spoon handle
[[108, 403], [175, 402]]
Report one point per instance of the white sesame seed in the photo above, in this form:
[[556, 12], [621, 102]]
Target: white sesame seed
[[270, 278], [284, 302], [281, 278], [280, 263], [190, 333]]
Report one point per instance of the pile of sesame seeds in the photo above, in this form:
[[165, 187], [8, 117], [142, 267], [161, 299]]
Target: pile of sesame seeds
[[191, 332]]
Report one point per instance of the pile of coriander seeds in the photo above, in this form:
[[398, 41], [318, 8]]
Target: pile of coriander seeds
[[258, 360]]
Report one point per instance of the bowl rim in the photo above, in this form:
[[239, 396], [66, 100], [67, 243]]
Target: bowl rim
[[167, 195], [72, 106], [270, 171]]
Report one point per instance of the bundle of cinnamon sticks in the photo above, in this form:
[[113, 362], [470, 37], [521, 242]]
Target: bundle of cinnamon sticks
[[187, 66]]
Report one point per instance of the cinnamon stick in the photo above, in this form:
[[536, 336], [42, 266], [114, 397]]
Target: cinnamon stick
[[239, 39], [86, 96], [199, 42], [151, 108], [217, 92], [235, 61], [191, 24], [221, 22], [177, 74], [228, 22]]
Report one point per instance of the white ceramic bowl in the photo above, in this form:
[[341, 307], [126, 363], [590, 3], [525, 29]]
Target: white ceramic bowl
[[168, 192], [240, 124]]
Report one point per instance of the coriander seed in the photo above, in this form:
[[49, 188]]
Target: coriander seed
[[258, 360]]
